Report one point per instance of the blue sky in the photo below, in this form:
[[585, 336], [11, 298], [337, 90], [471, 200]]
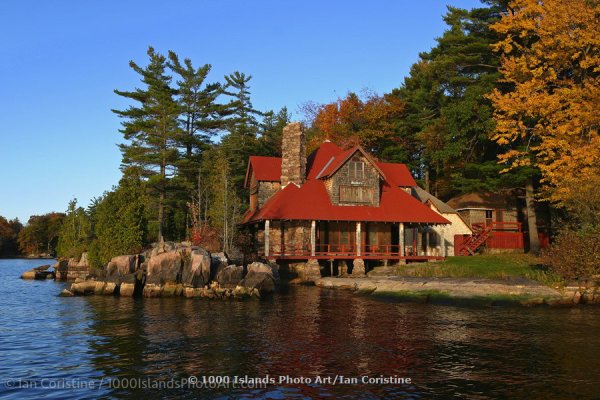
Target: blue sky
[[61, 61]]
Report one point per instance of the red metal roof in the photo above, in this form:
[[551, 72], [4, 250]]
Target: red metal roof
[[264, 168], [311, 202], [340, 159], [318, 159], [397, 174]]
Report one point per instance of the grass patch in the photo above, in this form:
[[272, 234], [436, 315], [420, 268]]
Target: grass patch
[[496, 266]]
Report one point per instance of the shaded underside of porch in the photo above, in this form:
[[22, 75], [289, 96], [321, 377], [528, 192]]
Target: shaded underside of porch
[[346, 240]]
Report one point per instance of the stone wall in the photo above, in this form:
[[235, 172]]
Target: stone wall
[[294, 235], [293, 154], [342, 178], [261, 192]]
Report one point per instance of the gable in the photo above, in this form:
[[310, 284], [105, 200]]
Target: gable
[[336, 162], [355, 183], [263, 169]]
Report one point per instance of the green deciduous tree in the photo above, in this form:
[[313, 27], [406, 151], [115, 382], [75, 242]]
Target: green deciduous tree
[[75, 232], [224, 204], [9, 232], [40, 235]]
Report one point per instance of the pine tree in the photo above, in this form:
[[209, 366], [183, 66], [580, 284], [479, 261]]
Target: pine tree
[[202, 117], [152, 130], [269, 142], [446, 111], [241, 140]]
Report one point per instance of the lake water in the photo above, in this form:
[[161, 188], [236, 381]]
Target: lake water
[[88, 347]]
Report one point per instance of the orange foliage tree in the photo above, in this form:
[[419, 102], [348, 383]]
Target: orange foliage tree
[[370, 121], [547, 115]]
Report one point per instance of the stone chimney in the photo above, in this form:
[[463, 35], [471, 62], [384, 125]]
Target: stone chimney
[[293, 154]]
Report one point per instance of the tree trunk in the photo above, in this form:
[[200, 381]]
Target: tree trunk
[[161, 206], [161, 200], [534, 240]]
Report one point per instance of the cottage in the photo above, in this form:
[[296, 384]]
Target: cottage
[[498, 221], [457, 227], [338, 204]]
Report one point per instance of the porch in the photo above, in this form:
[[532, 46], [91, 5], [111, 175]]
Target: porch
[[346, 240]]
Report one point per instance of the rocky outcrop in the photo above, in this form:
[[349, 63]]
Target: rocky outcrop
[[42, 272], [219, 261], [230, 276], [262, 277], [83, 261], [165, 268], [121, 265], [61, 269], [170, 270], [486, 291], [307, 272], [72, 268], [199, 271]]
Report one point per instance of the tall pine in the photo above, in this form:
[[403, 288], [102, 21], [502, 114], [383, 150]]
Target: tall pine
[[152, 131]]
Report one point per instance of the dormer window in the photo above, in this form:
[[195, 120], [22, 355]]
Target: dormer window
[[357, 169]]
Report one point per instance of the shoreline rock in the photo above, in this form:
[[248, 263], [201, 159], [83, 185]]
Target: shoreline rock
[[484, 291], [177, 270]]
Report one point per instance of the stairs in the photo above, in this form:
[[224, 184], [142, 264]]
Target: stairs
[[481, 233]]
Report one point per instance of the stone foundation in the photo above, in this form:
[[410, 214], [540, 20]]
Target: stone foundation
[[358, 267]]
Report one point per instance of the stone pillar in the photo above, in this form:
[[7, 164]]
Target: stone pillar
[[358, 239], [358, 267], [293, 155], [267, 234], [342, 268], [427, 233], [443, 241], [313, 237], [401, 239]]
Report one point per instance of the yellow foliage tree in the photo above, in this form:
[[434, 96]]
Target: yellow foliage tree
[[547, 112]]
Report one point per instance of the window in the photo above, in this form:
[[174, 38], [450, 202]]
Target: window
[[372, 237], [488, 214], [344, 237], [356, 169], [356, 194]]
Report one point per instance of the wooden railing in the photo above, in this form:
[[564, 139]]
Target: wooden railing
[[346, 250], [505, 226]]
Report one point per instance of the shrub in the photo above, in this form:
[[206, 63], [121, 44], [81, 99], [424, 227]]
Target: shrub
[[575, 253]]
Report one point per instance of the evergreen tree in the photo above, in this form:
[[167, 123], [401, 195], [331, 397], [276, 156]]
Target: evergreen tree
[[201, 118], [75, 232], [120, 224], [241, 140], [201, 115], [152, 130], [446, 111], [269, 142]]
